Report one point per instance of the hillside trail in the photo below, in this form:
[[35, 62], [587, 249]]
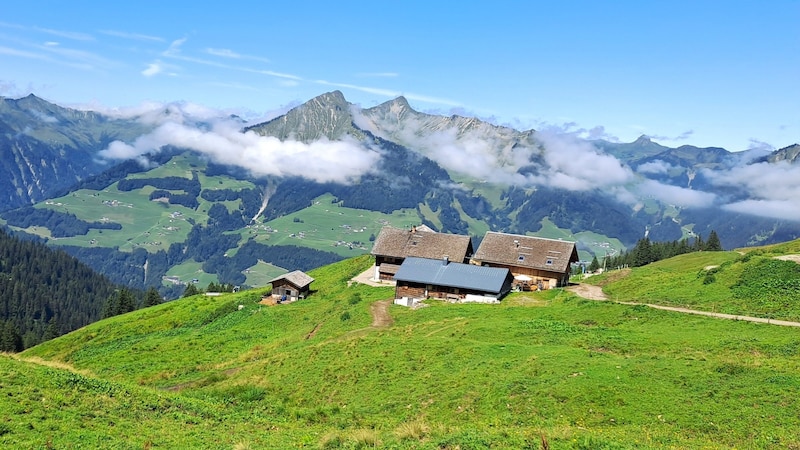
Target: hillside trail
[[380, 314], [591, 292]]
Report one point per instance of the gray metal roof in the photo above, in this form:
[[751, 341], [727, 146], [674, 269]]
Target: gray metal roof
[[464, 276]]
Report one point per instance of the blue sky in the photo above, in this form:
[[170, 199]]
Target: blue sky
[[703, 73]]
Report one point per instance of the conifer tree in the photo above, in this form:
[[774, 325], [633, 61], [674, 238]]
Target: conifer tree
[[110, 307], [190, 290], [594, 265], [51, 332], [126, 301], [713, 244], [152, 298], [10, 339]]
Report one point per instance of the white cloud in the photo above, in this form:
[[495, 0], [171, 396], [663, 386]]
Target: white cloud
[[323, 161], [675, 195], [776, 209], [223, 52], [378, 74], [152, 69], [577, 165], [227, 53], [777, 181], [655, 167], [76, 36], [390, 93], [132, 36]]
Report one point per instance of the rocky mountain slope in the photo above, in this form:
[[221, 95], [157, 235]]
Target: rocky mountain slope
[[47, 148]]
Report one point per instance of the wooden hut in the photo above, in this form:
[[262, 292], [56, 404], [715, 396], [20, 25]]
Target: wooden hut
[[291, 286]]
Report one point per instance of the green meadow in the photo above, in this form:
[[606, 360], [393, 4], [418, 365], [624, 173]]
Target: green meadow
[[540, 370], [760, 282]]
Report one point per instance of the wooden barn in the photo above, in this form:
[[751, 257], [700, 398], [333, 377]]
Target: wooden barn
[[291, 286], [421, 278], [536, 263], [394, 245]]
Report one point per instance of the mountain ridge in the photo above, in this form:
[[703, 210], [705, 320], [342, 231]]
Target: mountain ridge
[[455, 174]]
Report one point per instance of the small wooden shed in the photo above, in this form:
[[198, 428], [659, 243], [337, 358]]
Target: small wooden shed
[[291, 286]]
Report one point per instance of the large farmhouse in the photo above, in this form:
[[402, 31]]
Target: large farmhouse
[[394, 245], [536, 263], [420, 278]]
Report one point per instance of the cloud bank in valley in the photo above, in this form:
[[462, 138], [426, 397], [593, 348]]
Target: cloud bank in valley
[[224, 142], [773, 188], [544, 159], [549, 158]]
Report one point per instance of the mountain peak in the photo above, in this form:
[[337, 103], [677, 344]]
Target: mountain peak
[[643, 139], [333, 98], [789, 154], [327, 115], [401, 102]]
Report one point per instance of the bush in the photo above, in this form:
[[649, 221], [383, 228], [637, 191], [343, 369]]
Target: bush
[[345, 316]]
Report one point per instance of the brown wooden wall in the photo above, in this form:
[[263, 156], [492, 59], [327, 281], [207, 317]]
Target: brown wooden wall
[[558, 279], [280, 287], [406, 290]]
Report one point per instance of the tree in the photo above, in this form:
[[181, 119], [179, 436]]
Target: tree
[[713, 244], [594, 265], [10, 339], [643, 253], [126, 301], [110, 307], [51, 332], [190, 290], [152, 298]]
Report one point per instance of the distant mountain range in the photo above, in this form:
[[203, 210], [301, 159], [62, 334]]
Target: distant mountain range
[[221, 181]]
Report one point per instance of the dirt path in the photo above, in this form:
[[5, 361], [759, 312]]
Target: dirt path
[[588, 291], [596, 293], [380, 314]]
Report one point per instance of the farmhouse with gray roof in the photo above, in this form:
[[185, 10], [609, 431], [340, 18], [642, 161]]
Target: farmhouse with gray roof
[[420, 278], [394, 245], [535, 262]]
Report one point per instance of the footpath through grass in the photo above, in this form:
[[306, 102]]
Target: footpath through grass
[[200, 372], [761, 282]]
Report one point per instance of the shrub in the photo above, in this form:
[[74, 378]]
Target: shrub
[[364, 438], [345, 316], [415, 430]]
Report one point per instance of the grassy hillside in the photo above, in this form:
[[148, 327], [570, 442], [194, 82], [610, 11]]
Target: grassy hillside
[[762, 282], [199, 372]]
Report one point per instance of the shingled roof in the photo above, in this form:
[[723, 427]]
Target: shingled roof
[[526, 251], [441, 273], [297, 278], [400, 243]]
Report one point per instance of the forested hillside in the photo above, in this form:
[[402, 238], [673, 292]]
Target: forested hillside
[[45, 293]]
